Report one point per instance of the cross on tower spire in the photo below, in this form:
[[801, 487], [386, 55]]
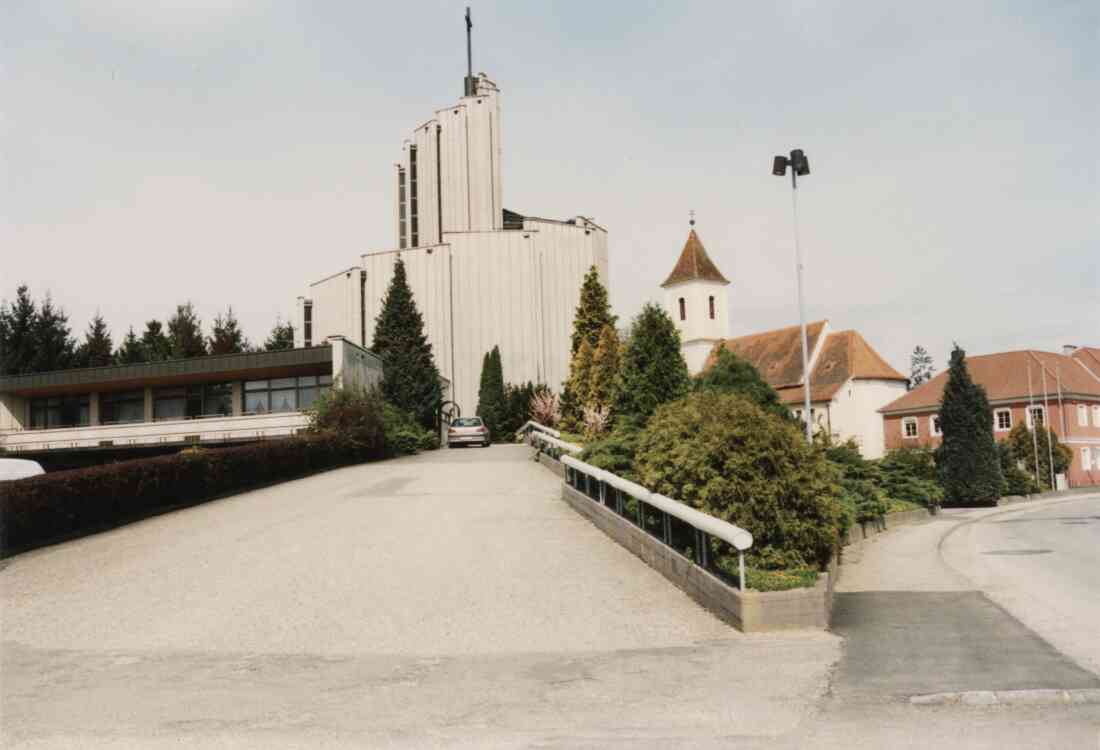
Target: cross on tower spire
[[471, 85]]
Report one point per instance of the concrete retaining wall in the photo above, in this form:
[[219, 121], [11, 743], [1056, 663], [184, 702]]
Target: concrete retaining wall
[[750, 611], [552, 464]]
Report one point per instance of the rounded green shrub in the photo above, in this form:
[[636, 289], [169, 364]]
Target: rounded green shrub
[[724, 455]]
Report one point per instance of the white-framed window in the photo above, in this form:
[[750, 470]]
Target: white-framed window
[[934, 426], [1002, 420], [909, 427], [1086, 459], [1096, 415], [1082, 415], [1035, 415]]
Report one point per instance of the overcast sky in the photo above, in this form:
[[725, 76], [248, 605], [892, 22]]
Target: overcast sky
[[231, 151]]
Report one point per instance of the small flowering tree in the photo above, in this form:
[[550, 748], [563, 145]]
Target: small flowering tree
[[546, 407], [595, 420]]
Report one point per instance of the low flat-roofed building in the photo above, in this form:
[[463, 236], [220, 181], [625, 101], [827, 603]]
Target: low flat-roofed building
[[214, 400]]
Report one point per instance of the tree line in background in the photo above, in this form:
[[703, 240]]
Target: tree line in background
[[36, 337]]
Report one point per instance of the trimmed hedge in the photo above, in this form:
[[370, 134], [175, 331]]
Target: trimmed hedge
[[39, 509]]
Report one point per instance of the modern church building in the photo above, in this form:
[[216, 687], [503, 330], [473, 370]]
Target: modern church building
[[481, 275]]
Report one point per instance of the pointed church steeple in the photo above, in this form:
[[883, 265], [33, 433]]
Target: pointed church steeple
[[695, 299], [694, 263]]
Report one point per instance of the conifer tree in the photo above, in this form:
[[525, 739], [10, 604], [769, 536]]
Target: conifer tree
[[592, 315], [17, 353], [653, 369], [603, 380], [185, 333], [967, 459], [131, 351], [154, 343], [226, 336], [97, 349], [580, 376], [54, 347], [411, 380], [593, 312], [732, 374], [282, 337], [491, 406], [920, 367]]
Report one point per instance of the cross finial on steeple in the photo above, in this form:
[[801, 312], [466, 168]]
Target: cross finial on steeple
[[691, 221]]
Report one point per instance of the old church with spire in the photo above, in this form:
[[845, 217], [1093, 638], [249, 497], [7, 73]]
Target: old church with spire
[[849, 381]]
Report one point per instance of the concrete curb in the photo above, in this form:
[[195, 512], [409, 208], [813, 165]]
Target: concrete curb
[[1036, 697]]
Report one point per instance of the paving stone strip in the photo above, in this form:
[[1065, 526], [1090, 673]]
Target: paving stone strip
[[1037, 697]]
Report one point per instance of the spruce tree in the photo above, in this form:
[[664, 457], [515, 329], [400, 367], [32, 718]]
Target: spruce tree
[[282, 337], [54, 347], [603, 379], [185, 333], [226, 336], [593, 312], [653, 369], [17, 356], [154, 343], [967, 459], [131, 351], [411, 381], [97, 350]]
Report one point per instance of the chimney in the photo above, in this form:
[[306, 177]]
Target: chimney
[[1068, 349]]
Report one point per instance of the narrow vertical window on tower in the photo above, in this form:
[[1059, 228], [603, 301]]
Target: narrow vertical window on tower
[[402, 211], [712, 308], [307, 323], [414, 219], [683, 309]]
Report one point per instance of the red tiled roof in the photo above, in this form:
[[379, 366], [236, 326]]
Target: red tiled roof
[[777, 355], [694, 263], [1005, 378], [1089, 356]]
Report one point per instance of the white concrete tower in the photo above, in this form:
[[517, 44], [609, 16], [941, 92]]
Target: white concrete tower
[[695, 298]]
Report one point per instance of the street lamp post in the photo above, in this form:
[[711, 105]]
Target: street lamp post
[[800, 167]]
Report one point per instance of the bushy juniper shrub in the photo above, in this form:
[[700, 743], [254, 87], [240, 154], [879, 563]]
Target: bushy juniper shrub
[[403, 434], [725, 456], [615, 451], [909, 474]]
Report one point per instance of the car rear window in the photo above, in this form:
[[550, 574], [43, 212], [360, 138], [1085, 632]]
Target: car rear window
[[467, 422]]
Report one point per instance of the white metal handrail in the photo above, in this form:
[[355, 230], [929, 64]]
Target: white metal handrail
[[559, 444], [735, 536], [532, 424]]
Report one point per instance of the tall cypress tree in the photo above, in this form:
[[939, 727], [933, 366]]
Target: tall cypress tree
[[54, 347], [491, 406], [653, 370], [411, 381], [185, 333], [967, 459], [131, 351], [17, 356], [226, 336], [97, 349], [155, 343]]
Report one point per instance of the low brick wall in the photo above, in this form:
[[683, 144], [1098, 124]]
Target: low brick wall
[[751, 611]]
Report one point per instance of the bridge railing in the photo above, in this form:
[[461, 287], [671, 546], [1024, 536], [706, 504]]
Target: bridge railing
[[679, 526], [533, 426]]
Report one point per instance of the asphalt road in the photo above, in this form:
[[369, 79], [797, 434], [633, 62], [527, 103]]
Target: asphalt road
[[450, 599]]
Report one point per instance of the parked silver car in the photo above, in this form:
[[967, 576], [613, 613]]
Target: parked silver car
[[468, 431]]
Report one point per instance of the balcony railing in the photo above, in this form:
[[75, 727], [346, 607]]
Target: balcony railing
[[124, 434]]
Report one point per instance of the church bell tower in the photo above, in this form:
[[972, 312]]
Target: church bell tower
[[695, 299]]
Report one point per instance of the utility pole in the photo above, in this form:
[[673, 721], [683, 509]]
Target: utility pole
[[1046, 427]]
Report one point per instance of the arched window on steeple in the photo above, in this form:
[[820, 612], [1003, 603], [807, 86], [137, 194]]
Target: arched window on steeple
[[683, 309], [712, 308]]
